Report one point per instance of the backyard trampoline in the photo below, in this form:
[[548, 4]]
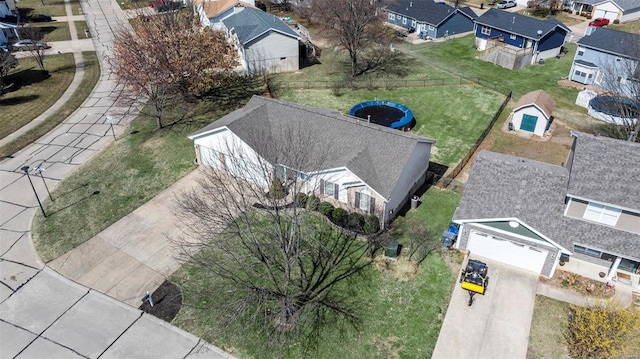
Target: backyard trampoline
[[384, 113], [614, 109]]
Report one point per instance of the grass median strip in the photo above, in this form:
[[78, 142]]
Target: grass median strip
[[89, 80]]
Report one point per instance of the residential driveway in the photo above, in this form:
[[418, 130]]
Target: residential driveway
[[497, 325], [132, 256]]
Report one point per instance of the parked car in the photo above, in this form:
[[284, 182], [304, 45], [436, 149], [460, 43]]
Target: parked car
[[505, 4], [168, 6], [26, 45], [599, 22], [40, 18]]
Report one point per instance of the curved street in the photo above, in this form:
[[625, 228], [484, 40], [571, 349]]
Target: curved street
[[42, 313]]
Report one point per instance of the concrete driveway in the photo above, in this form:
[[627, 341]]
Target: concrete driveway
[[497, 325]]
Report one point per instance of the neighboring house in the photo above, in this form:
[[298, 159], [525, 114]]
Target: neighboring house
[[608, 58], [533, 113], [512, 40], [265, 42], [434, 20], [361, 166], [212, 12], [8, 21], [622, 10], [584, 216]]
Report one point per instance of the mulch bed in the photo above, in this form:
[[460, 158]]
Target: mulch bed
[[167, 301]]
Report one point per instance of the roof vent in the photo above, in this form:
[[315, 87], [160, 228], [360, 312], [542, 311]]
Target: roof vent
[[513, 20], [411, 4]]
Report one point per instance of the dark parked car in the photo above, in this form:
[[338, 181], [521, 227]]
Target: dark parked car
[[40, 18], [168, 6], [26, 45], [599, 22]]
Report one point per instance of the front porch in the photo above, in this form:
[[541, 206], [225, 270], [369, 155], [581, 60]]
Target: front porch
[[613, 274]]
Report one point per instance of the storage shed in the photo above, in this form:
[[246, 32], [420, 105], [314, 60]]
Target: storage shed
[[533, 113]]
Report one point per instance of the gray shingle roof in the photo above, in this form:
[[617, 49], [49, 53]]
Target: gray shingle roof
[[518, 24], [251, 23], [606, 170], [376, 154], [625, 5], [613, 41], [427, 11], [503, 186]]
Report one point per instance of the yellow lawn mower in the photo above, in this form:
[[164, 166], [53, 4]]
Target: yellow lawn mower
[[474, 278]]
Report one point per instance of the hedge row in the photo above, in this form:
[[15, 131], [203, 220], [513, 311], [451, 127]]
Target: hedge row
[[353, 221]]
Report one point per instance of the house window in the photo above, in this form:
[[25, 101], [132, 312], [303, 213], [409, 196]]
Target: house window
[[365, 202], [580, 73], [618, 59], [580, 52], [392, 16], [512, 36], [628, 265], [622, 80], [431, 28], [329, 189], [602, 214], [588, 251], [413, 23], [486, 30], [404, 20]]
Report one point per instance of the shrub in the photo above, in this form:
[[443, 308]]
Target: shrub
[[602, 331], [325, 208], [616, 21], [589, 17], [312, 203], [372, 224], [276, 189], [355, 221], [301, 199], [338, 216]]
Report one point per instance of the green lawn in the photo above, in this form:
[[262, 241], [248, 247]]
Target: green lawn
[[50, 7], [549, 322], [132, 4], [459, 57], [51, 31], [80, 27], [633, 26], [89, 80], [452, 115], [37, 90], [401, 319], [127, 174]]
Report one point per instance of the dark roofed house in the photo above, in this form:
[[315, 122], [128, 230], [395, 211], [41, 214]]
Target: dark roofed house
[[358, 166], [512, 40], [430, 19], [584, 216], [608, 58], [264, 41], [621, 10]]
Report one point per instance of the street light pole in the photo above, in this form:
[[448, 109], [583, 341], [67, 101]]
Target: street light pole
[[40, 170], [25, 169]]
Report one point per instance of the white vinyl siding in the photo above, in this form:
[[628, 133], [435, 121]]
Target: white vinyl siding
[[602, 214]]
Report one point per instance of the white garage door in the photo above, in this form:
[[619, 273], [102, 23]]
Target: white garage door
[[506, 251], [607, 14]]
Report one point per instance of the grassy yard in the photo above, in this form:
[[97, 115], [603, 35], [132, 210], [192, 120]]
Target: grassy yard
[[452, 115], [133, 4], [50, 31], [459, 57], [549, 322], [116, 181], [89, 80], [36, 90], [402, 318], [50, 7], [80, 27], [633, 26]]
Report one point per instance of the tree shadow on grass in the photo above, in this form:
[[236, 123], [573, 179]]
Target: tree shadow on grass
[[27, 77], [12, 101]]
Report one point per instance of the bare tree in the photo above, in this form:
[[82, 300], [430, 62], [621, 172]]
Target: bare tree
[[7, 62], [459, 3], [272, 263], [352, 24], [620, 81], [168, 58], [550, 5]]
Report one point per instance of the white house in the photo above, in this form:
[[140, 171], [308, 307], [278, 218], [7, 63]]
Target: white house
[[621, 10], [583, 216], [533, 113], [8, 21], [353, 164], [264, 42]]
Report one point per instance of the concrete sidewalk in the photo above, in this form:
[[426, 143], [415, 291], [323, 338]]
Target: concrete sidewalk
[[132, 256]]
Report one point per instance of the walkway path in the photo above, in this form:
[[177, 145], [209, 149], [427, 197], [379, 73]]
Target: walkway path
[[42, 313]]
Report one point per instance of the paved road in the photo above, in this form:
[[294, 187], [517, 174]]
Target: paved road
[[497, 325], [42, 313]]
